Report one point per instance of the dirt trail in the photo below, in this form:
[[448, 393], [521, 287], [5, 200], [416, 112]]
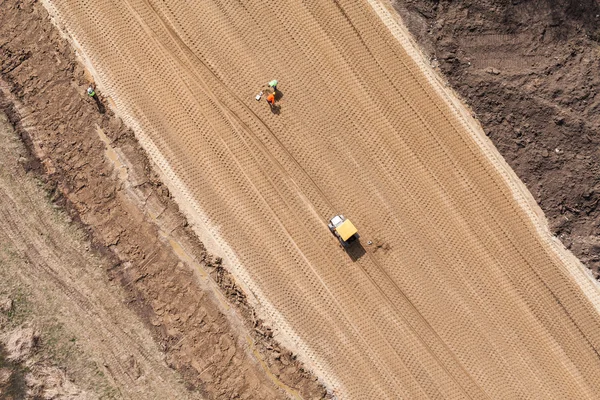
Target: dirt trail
[[464, 294], [94, 167]]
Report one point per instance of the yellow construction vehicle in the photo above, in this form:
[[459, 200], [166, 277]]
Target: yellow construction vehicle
[[343, 229]]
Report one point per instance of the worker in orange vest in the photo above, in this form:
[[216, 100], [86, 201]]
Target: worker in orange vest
[[271, 100]]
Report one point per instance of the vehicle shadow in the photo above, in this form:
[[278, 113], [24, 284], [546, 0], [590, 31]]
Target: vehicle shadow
[[356, 251]]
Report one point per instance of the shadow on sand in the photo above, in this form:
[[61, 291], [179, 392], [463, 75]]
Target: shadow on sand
[[276, 109], [355, 251], [278, 95]]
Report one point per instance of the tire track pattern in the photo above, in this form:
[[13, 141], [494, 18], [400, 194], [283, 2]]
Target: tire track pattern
[[465, 300]]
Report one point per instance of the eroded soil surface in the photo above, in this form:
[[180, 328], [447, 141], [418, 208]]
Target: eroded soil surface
[[530, 70], [65, 329], [93, 167]]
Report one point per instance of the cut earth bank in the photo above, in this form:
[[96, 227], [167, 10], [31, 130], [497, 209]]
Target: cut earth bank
[[66, 332], [530, 70]]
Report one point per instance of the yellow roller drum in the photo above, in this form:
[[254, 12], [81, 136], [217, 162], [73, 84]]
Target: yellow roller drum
[[346, 230]]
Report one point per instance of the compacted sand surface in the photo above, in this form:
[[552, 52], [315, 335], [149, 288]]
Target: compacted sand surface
[[456, 289]]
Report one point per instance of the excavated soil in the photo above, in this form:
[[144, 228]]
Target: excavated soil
[[66, 331], [530, 70], [457, 289], [94, 168]]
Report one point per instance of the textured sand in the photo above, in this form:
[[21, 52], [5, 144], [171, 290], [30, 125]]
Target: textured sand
[[462, 295]]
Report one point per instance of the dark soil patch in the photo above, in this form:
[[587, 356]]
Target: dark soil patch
[[530, 70], [15, 386]]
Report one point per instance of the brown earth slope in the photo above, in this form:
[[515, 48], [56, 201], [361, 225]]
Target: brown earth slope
[[531, 72], [97, 170], [66, 331], [463, 292]]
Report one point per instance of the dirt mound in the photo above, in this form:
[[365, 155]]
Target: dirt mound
[[51, 383], [20, 343], [531, 71], [23, 376]]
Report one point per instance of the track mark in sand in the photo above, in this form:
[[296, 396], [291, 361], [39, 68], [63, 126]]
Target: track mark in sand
[[228, 112], [471, 316], [236, 119], [153, 276]]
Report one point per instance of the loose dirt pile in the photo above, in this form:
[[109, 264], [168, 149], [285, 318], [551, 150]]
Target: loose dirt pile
[[97, 171], [531, 72], [24, 377]]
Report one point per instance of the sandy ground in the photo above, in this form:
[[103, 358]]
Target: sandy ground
[[463, 293], [530, 71], [92, 166]]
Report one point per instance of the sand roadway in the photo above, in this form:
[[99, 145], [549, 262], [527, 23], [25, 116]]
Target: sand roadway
[[463, 293]]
